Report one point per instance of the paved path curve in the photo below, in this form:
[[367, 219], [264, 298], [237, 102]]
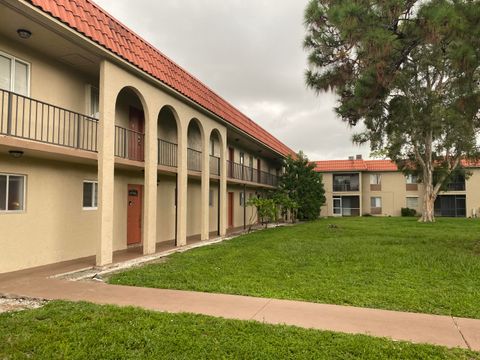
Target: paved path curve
[[419, 328]]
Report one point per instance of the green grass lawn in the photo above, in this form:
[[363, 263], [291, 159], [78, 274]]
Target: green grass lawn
[[63, 330], [388, 263]]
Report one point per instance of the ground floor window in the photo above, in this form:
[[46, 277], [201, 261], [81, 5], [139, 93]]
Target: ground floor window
[[451, 206], [12, 193], [376, 202], [90, 195], [242, 199], [412, 202]]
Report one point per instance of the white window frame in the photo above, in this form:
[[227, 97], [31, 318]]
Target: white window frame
[[91, 208], [24, 209], [411, 197], [411, 179], [376, 207], [241, 199], [12, 72], [377, 177], [90, 103]]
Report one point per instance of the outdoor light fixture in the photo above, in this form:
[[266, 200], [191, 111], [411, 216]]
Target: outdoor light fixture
[[24, 33], [17, 154]]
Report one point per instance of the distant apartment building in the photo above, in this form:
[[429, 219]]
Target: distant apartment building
[[357, 187], [106, 144]]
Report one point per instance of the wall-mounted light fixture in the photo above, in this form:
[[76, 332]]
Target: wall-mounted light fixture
[[24, 33], [17, 154]]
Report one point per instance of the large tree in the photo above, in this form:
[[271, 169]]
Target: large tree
[[303, 186], [409, 71]]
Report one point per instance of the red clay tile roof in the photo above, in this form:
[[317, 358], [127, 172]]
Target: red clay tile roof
[[369, 165], [96, 24], [355, 165]]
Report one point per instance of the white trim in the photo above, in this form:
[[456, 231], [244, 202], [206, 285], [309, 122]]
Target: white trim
[[23, 210], [95, 183], [12, 72]]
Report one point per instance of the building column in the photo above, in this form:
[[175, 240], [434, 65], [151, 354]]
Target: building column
[[182, 188], [150, 193], [223, 187], [106, 165], [205, 206]]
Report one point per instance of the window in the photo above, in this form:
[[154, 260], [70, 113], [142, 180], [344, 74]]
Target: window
[[242, 158], [12, 193], [210, 198], [375, 179], [411, 179], [242, 199], [212, 147], [90, 195], [14, 74], [412, 202], [376, 202], [94, 102]]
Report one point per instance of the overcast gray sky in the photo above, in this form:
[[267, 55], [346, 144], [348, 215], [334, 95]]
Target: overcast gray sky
[[250, 52]]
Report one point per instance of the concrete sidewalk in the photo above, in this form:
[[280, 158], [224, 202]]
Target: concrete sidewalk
[[419, 328]]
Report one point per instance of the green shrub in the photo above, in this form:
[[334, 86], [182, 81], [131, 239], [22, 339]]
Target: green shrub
[[409, 212]]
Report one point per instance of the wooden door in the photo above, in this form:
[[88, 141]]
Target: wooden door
[[230, 209], [134, 214], [136, 138]]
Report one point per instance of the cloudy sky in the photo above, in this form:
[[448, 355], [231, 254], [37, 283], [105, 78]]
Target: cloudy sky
[[250, 52]]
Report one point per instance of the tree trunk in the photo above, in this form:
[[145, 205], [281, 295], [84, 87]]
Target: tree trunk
[[429, 197]]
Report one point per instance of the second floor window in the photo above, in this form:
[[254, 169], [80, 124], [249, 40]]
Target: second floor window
[[242, 158], [14, 75], [375, 179], [94, 102], [411, 179]]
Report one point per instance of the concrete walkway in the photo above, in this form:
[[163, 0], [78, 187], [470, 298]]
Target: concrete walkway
[[419, 328]]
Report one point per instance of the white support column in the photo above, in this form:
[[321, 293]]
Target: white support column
[[106, 164], [182, 186], [205, 225], [150, 194], [223, 187]]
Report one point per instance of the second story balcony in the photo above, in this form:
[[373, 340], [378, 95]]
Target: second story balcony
[[346, 182], [245, 173], [26, 118]]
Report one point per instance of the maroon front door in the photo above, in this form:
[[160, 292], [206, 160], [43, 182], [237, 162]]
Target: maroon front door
[[134, 214], [136, 138]]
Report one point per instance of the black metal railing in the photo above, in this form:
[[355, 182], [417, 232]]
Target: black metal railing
[[345, 187], [246, 173], [129, 144], [167, 153], [456, 186], [214, 165], [194, 160], [27, 118]]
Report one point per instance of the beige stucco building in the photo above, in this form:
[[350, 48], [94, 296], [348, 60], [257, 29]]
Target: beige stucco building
[[106, 144], [357, 187]]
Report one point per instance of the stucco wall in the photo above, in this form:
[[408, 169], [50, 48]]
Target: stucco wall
[[53, 227], [52, 81]]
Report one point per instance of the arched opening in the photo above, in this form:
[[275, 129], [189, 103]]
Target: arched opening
[[129, 125], [129, 143], [167, 137], [195, 143], [215, 152], [167, 181], [194, 187]]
